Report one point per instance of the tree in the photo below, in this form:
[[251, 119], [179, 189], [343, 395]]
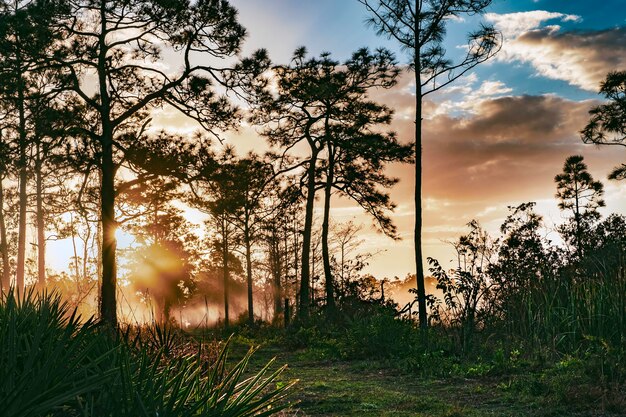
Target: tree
[[5, 282], [313, 101], [578, 192], [351, 260], [607, 125], [280, 239], [214, 194], [420, 28], [252, 179], [50, 126], [527, 266], [118, 44], [163, 265], [356, 153], [24, 38]]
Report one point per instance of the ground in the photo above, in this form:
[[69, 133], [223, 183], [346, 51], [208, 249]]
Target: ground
[[370, 388]]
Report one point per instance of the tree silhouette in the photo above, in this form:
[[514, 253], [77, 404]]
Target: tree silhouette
[[313, 98], [5, 282], [116, 41], [163, 265], [579, 193], [51, 124], [526, 264], [253, 180], [356, 159], [25, 38], [214, 194], [607, 125], [280, 239], [420, 28]]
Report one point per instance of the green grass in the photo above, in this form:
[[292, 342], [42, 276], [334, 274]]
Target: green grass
[[370, 388]]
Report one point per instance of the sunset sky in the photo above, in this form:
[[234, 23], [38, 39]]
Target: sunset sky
[[495, 138]]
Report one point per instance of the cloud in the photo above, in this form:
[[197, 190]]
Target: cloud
[[513, 25], [581, 58], [506, 153], [513, 146], [465, 97]]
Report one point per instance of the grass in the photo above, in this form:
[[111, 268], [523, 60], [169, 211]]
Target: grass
[[371, 388]]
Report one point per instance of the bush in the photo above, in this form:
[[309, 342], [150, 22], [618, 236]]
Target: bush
[[52, 364]]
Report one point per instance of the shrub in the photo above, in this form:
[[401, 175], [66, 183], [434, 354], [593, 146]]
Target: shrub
[[52, 364]]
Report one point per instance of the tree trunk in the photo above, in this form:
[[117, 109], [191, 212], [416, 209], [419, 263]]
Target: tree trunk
[[86, 249], [330, 293], [419, 264], [305, 278], [76, 268], [249, 271], [99, 256], [579, 246], [276, 271], [23, 197], [225, 269], [296, 257], [41, 227], [108, 304], [5, 283]]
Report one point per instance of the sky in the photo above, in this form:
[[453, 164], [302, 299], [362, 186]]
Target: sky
[[495, 138]]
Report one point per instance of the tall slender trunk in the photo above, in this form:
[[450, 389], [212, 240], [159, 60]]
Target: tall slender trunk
[[296, 257], [328, 188], [108, 305], [76, 268], [312, 288], [41, 226], [23, 178], [305, 278], [86, 249], [5, 283], [419, 264], [248, 244], [343, 267], [276, 271], [226, 272], [99, 263]]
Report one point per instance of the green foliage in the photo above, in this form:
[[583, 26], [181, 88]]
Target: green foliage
[[380, 335], [53, 364], [47, 358]]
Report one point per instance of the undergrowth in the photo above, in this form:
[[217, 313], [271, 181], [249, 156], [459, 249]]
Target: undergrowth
[[52, 363]]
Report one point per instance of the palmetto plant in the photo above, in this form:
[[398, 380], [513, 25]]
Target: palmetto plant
[[47, 356], [54, 364], [150, 384]]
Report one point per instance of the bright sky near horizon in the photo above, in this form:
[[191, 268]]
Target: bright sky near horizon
[[495, 138]]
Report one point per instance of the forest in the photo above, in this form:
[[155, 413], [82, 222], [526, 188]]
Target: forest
[[202, 278]]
